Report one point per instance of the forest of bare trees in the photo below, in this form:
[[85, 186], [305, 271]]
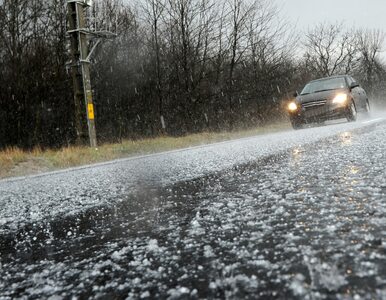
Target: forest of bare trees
[[176, 67]]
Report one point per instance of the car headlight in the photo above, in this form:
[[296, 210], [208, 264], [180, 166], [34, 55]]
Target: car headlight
[[340, 99], [292, 107]]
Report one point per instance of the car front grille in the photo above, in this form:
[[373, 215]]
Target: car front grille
[[316, 103], [315, 108]]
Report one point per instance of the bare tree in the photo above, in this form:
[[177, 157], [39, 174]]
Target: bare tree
[[330, 49], [370, 44], [154, 10], [240, 10], [270, 42]]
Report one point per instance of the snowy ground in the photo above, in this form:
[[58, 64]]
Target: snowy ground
[[298, 214]]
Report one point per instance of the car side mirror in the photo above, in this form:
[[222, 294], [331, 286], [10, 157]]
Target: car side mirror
[[353, 85], [295, 94]]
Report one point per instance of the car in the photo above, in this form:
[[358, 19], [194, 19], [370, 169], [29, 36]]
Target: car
[[328, 98]]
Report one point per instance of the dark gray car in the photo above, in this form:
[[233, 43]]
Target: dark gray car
[[328, 98]]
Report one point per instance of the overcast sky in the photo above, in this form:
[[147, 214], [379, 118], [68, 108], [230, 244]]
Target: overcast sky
[[358, 13]]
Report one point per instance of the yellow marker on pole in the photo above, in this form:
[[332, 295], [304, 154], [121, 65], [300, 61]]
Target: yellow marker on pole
[[90, 108]]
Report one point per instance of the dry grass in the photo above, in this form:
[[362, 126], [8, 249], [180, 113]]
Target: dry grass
[[15, 162], [10, 157]]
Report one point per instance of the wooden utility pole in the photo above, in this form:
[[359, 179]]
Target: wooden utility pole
[[80, 70]]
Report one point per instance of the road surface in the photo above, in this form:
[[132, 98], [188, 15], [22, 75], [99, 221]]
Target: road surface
[[291, 215]]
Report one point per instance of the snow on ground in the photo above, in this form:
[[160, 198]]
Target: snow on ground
[[48, 196], [305, 223]]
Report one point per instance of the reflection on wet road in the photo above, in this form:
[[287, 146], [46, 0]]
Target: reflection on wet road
[[308, 222]]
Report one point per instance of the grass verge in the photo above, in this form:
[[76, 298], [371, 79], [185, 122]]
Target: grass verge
[[15, 162]]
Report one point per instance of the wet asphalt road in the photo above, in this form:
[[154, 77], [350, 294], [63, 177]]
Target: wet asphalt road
[[293, 215]]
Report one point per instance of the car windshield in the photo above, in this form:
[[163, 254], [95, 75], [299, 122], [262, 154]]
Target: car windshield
[[324, 85]]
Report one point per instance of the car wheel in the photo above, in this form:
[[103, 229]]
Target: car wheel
[[351, 114]]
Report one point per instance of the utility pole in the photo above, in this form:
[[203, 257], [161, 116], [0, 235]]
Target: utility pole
[[80, 70]]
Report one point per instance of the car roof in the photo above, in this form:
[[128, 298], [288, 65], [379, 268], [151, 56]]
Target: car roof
[[330, 77]]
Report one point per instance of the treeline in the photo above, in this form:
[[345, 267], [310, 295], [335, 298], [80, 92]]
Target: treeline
[[176, 67]]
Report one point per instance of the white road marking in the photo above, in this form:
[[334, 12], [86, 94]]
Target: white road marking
[[373, 121]]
